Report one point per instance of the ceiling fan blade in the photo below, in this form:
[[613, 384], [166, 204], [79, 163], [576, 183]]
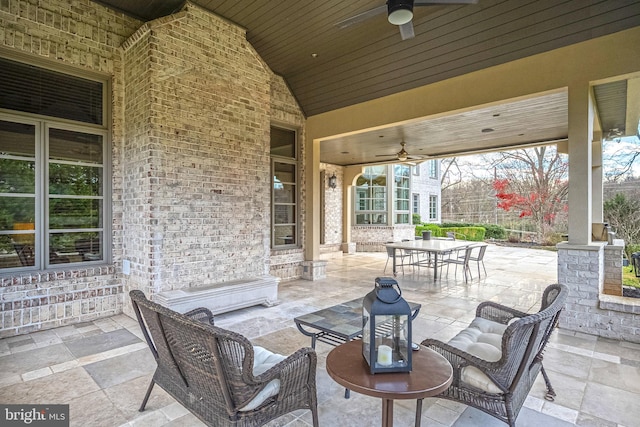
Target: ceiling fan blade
[[356, 19], [406, 31], [391, 162], [437, 2]]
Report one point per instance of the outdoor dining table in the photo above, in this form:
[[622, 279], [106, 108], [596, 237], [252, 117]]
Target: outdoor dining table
[[435, 247]]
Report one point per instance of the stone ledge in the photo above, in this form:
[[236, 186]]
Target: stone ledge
[[618, 303], [594, 246], [223, 297]]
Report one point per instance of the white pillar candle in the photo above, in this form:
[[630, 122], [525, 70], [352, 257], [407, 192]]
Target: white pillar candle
[[384, 355]]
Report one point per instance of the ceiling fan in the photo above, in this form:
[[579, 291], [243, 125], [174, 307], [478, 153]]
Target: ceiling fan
[[402, 155], [400, 13]]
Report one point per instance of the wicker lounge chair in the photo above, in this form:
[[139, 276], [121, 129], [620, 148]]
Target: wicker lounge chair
[[217, 374], [498, 357]]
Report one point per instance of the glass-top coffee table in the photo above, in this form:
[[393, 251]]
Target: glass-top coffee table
[[339, 323]]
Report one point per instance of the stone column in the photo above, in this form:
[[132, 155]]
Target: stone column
[[349, 248], [350, 174], [581, 268], [581, 116], [613, 268], [588, 310], [312, 201], [596, 184], [314, 270]]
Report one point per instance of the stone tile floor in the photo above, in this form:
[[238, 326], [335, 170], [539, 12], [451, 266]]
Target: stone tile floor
[[102, 368]]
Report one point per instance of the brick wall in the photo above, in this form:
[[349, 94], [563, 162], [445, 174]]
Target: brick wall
[[197, 183], [85, 36], [371, 238], [588, 310], [201, 103], [192, 104]]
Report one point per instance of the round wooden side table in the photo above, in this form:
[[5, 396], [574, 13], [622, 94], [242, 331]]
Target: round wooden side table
[[430, 375]]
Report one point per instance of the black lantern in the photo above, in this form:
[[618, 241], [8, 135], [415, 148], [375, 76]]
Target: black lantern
[[333, 181], [386, 328]]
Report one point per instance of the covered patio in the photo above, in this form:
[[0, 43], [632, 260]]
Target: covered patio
[[102, 368], [200, 127], [189, 105]]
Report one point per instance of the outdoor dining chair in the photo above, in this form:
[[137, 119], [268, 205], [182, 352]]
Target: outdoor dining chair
[[479, 258], [462, 260], [401, 255]]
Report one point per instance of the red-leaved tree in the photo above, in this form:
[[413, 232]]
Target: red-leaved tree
[[535, 184]]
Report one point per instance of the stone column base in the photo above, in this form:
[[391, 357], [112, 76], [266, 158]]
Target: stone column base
[[314, 270], [613, 268], [349, 248]]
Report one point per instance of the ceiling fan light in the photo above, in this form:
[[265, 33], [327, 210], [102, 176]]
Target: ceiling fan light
[[400, 11]]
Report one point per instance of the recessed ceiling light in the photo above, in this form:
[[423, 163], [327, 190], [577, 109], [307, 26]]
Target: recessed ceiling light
[[314, 55], [487, 130]]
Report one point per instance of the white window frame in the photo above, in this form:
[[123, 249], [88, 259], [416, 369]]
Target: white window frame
[[433, 169], [433, 207], [415, 203], [371, 204], [397, 200]]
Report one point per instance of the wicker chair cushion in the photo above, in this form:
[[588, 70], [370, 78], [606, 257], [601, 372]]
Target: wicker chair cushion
[[263, 360], [483, 339]]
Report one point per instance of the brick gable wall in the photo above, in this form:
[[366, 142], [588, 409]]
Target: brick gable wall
[[192, 104]]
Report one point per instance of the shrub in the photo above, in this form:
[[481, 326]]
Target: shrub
[[456, 224], [435, 229], [630, 249], [552, 239], [513, 238], [416, 219], [494, 231], [475, 234]]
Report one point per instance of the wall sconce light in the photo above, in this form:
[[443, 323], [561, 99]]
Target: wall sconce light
[[333, 181]]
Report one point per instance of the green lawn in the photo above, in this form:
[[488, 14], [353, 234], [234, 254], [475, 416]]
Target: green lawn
[[629, 277]]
